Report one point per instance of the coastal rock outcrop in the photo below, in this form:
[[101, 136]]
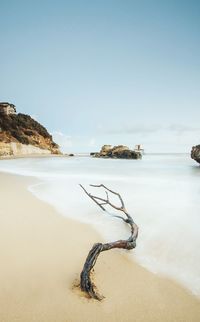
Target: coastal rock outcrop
[[117, 152], [195, 153], [20, 134]]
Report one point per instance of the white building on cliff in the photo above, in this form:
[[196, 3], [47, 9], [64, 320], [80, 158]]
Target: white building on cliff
[[7, 108]]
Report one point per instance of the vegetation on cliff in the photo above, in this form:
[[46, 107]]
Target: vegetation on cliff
[[24, 129]]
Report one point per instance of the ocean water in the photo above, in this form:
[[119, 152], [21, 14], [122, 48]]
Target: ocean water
[[161, 192]]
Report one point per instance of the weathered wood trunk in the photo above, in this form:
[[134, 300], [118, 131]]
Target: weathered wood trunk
[[86, 283]]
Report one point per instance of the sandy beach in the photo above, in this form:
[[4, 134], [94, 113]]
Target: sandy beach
[[42, 254]]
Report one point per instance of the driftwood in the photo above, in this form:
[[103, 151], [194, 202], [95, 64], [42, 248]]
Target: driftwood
[[85, 279]]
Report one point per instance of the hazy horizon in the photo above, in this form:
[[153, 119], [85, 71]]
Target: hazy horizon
[[109, 72]]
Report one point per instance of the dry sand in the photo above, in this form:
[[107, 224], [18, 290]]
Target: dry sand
[[42, 254]]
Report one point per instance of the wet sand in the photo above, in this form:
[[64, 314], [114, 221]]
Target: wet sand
[[42, 254]]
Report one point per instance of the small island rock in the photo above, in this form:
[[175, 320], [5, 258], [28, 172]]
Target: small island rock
[[117, 152]]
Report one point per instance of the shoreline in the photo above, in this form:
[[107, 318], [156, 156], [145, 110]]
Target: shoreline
[[28, 156], [43, 254], [35, 156]]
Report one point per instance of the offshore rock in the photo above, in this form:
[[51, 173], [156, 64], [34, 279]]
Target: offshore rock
[[117, 152], [195, 153]]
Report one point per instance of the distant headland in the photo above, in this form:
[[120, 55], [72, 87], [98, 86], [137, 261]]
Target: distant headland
[[195, 153]]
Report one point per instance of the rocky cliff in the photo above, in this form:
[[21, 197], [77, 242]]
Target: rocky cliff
[[117, 152], [195, 153], [21, 134]]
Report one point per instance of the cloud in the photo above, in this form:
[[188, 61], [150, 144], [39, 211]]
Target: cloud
[[133, 129], [148, 129], [92, 142], [63, 140], [183, 128], [75, 144]]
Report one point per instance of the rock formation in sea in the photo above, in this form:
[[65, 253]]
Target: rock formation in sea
[[20, 134], [195, 153], [117, 152]]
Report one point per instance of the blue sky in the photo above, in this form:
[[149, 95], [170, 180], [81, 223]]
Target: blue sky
[[105, 72]]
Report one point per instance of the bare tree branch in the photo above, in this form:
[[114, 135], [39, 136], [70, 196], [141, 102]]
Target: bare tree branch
[[130, 243]]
